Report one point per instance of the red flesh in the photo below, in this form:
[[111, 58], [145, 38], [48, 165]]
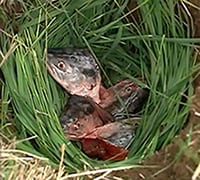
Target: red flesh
[[100, 148]]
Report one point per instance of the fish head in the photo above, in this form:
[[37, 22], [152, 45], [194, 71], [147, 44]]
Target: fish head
[[75, 70], [119, 133], [125, 88], [125, 100], [117, 93], [82, 127], [81, 116]]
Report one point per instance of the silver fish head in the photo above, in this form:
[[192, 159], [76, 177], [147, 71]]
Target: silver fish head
[[75, 70]]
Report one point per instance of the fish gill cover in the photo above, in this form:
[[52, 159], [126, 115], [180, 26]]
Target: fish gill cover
[[150, 41]]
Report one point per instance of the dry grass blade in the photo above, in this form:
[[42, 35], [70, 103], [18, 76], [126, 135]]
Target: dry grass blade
[[196, 173], [16, 164]]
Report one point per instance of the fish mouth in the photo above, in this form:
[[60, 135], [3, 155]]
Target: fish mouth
[[57, 75], [52, 69]]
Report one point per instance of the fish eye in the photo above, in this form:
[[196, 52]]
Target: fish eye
[[91, 86], [61, 65], [128, 89]]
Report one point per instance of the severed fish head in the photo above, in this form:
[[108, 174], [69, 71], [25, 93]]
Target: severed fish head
[[123, 99], [119, 133], [75, 70], [121, 90], [81, 116], [130, 105]]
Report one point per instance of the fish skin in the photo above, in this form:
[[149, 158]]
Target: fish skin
[[76, 70]]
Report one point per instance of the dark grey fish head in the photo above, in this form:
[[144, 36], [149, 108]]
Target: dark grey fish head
[[131, 105], [76, 108], [76, 70]]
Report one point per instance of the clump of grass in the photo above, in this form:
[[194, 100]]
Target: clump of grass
[[158, 48]]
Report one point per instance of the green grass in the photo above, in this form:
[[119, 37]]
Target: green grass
[[158, 48]]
